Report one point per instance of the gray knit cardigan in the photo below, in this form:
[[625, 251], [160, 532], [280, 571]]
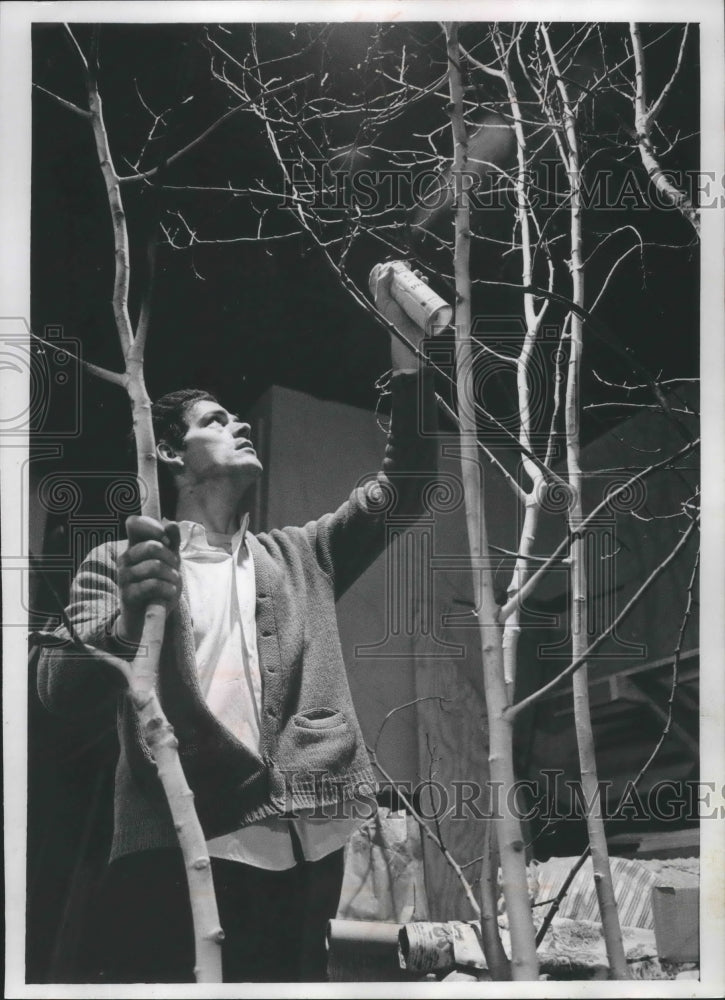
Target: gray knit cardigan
[[312, 752]]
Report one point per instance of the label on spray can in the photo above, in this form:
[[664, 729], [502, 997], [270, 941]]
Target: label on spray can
[[427, 309]]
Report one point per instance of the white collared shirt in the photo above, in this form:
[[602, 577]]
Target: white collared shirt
[[220, 581], [219, 576]]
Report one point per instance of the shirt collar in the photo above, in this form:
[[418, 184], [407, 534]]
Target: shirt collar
[[193, 533]]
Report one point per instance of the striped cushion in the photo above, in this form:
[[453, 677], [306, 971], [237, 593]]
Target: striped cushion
[[633, 883]]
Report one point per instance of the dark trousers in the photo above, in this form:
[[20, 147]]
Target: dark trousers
[[274, 922]]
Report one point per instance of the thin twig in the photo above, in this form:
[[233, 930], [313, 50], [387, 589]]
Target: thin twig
[[105, 373], [656, 107], [551, 913], [557, 901], [79, 50], [400, 708], [516, 709], [533, 580], [603, 333], [148, 174], [675, 673], [424, 826], [631, 388], [69, 105]]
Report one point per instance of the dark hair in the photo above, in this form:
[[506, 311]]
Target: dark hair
[[169, 414], [170, 425]]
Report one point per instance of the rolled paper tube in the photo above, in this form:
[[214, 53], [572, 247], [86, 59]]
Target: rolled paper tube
[[424, 306], [363, 951], [372, 934]]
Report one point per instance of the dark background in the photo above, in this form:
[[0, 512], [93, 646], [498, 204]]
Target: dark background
[[236, 318]]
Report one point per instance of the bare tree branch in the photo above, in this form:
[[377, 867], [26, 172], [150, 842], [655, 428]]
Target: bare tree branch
[[558, 900], [516, 709], [551, 913], [675, 673], [105, 373], [63, 103], [643, 119], [76, 46], [563, 545], [401, 708], [148, 174], [425, 827], [656, 107]]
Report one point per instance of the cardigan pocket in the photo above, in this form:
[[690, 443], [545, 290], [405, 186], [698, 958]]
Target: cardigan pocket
[[317, 739], [319, 718]]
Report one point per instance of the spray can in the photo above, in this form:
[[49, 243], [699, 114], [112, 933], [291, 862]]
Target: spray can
[[421, 303]]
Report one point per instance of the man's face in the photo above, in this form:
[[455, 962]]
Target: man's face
[[217, 445]]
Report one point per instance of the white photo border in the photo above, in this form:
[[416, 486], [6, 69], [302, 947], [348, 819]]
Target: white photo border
[[15, 161]]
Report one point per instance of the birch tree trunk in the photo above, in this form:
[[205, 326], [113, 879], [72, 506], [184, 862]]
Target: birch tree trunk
[[143, 672], [524, 965], [533, 318], [645, 118], [579, 618]]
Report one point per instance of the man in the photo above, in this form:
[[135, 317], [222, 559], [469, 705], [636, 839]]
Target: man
[[252, 679]]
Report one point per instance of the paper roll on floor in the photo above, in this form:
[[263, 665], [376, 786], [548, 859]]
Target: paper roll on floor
[[364, 951]]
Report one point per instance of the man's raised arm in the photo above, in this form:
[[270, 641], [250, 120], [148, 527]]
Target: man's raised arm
[[350, 539]]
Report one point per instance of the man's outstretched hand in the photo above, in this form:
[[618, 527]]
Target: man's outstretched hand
[[401, 355], [149, 573]]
